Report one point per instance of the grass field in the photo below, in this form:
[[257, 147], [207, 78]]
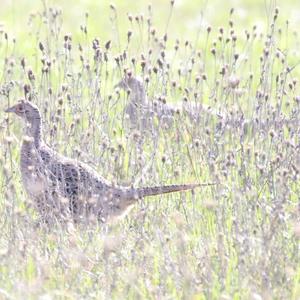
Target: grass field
[[236, 240]]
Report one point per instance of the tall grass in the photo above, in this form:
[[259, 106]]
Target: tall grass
[[239, 239]]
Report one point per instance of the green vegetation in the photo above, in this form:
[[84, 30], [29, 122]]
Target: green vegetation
[[236, 240]]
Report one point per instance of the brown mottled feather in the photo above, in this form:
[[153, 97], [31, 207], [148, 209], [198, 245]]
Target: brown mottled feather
[[61, 187]]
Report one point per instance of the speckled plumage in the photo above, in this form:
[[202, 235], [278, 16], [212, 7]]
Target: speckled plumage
[[61, 187], [141, 111]]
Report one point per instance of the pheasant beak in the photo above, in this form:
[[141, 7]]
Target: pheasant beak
[[121, 85], [11, 109]]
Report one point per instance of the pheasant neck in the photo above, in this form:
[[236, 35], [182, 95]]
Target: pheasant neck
[[138, 96], [34, 130]]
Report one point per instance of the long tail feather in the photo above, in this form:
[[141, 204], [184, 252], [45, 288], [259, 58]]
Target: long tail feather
[[158, 190]]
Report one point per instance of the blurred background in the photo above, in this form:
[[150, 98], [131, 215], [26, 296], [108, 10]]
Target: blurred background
[[188, 15]]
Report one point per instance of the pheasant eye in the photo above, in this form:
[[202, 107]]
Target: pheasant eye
[[20, 108]]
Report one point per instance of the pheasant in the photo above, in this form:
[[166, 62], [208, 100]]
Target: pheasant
[[63, 188], [141, 111]]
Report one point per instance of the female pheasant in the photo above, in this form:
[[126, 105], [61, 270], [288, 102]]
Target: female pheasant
[[63, 188], [142, 111]]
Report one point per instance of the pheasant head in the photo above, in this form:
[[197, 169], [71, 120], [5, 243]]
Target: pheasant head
[[25, 110], [31, 114], [136, 87]]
